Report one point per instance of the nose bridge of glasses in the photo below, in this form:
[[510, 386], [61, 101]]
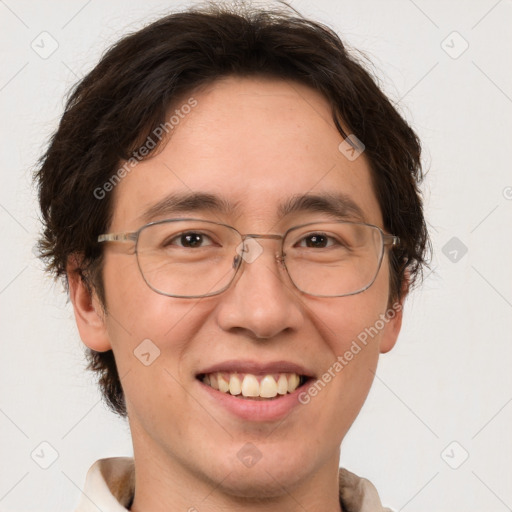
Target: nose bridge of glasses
[[250, 249], [257, 236]]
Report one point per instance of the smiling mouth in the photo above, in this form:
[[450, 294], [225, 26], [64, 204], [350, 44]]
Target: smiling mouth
[[254, 387]]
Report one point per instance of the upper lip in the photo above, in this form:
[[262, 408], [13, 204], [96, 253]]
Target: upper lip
[[256, 367]]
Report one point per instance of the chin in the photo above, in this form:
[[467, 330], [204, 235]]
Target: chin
[[259, 483], [251, 473]]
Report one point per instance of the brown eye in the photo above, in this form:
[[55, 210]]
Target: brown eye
[[317, 241], [189, 240]]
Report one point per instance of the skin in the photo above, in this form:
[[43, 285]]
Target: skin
[[254, 142]]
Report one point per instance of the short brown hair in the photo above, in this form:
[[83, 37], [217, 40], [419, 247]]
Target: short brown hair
[[128, 94]]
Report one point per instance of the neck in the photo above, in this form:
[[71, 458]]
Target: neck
[[164, 483]]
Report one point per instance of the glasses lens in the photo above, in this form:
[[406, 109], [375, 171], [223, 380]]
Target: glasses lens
[[194, 258], [333, 259], [187, 258]]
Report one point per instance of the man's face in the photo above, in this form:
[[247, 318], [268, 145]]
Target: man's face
[[254, 143]]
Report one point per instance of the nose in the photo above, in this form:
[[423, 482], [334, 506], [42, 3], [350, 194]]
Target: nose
[[261, 302]]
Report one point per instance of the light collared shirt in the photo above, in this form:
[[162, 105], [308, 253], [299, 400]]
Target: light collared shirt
[[110, 487]]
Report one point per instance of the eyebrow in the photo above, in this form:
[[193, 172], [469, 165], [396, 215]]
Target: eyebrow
[[338, 205], [188, 202]]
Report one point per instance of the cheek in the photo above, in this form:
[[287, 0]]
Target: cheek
[[352, 321], [135, 314], [149, 334], [351, 327], [349, 331]]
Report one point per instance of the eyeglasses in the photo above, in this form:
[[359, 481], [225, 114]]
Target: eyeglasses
[[193, 258]]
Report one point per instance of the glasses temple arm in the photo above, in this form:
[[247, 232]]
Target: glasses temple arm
[[391, 240], [117, 237]]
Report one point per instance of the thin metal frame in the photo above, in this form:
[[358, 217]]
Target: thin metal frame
[[388, 240]]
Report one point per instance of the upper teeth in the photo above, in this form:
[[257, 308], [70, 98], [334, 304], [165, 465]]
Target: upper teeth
[[267, 386]]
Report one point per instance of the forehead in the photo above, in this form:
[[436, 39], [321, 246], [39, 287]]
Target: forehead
[[255, 143]]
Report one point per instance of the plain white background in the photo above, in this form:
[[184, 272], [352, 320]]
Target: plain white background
[[443, 394]]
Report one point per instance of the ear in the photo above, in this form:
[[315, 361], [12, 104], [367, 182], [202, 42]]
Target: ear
[[89, 315], [394, 313]]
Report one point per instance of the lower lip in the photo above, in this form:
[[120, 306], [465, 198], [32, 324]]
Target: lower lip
[[257, 410]]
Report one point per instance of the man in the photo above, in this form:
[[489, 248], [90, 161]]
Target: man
[[234, 205]]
